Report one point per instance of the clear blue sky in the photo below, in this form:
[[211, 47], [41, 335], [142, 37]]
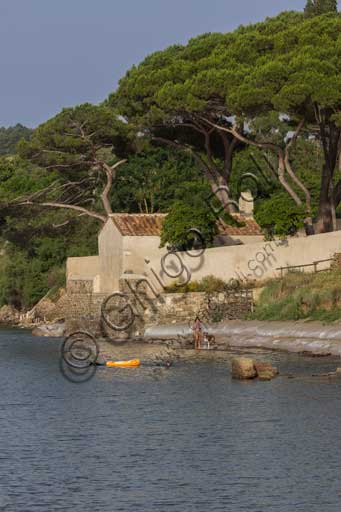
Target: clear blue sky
[[57, 53]]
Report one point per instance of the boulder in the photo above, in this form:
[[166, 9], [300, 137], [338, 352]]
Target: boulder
[[50, 330], [338, 373], [265, 371], [243, 368], [9, 315]]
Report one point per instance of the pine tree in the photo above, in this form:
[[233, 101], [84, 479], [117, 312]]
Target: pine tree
[[318, 7], [309, 9]]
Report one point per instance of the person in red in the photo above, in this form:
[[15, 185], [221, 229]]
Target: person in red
[[197, 329]]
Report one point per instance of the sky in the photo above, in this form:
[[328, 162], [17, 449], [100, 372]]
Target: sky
[[59, 53]]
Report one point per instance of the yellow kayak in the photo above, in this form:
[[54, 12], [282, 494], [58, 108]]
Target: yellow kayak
[[124, 364]]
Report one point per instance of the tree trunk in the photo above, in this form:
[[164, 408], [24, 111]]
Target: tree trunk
[[309, 226], [325, 214], [218, 184], [330, 138]]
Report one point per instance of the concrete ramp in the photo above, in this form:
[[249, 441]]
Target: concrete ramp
[[300, 337]]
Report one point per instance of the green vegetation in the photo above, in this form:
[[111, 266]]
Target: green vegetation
[[208, 284], [37, 240], [264, 85], [279, 216], [9, 138], [301, 295], [79, 145], [264, 99], [318, 7], [153, 179], [181, 219]]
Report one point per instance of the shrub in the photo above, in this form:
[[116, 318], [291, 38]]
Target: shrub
[[300, 295], [184, 217], [208, 284]]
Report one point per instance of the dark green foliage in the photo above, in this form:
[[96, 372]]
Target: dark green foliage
[[67, 141], [183, 217], [18, 177], [275, 211], [279, 215], [286, 65], [34, 260], [36, 241], [80, 145], [309, 9], [151, 180], [318, 7], [170, 92], [9, 138]]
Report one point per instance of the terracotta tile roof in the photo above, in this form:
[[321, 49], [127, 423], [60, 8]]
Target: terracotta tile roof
[[131, 224], [135, 224], [249, 227]]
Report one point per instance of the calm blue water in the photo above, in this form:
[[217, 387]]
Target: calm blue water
[[186, 439]]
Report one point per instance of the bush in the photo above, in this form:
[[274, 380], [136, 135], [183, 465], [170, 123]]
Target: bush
[[208, 284], [184, 217], [279, 215]]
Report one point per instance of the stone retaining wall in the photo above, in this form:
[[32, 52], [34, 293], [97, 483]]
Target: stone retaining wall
[[83, 310]]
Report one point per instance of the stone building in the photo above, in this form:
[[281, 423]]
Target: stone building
[[127, 242]]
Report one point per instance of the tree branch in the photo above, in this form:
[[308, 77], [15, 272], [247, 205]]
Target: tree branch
[[290, 170], [181, 147], [280, 154], [90, 213], [109, 171]]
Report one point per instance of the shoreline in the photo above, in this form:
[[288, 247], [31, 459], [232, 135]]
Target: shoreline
[[307, 338], [314, 338]]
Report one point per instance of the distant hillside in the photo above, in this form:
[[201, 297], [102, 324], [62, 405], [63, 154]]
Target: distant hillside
[[9, 138]]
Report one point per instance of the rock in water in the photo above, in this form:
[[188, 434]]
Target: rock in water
[[50, 330], [243, 368], [265, 371]]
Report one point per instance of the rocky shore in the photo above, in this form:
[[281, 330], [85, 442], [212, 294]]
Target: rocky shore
[[9, 316], [44, 319]]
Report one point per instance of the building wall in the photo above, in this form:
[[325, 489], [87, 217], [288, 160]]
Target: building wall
[[136, 249], [82, 268], [142, 255], [110, 249], [256, 261]]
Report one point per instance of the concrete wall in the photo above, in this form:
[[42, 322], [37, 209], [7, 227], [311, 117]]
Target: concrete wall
[[82, 268], [110, 249], [136, 249], [227, 240], [142, 255], [257, 261]]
